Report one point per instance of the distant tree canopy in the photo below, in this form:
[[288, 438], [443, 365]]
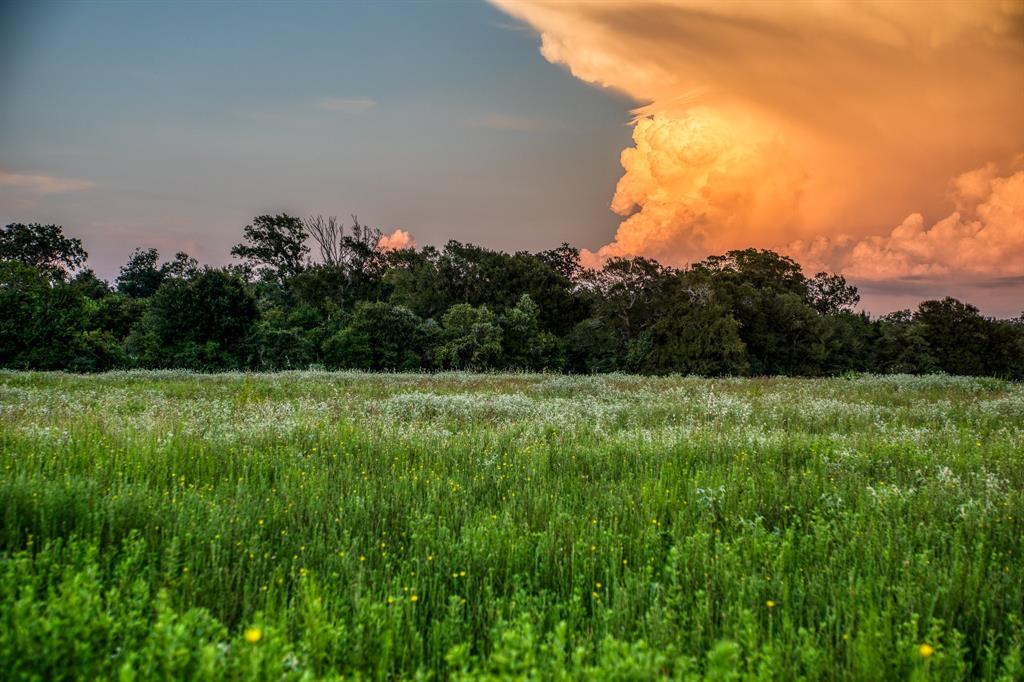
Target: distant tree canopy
[[43, 247], [274, 246], [353, 305]]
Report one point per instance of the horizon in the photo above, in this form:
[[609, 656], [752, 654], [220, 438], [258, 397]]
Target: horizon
[[672, 131]]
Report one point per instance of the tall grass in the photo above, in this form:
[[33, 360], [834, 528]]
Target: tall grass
[[310, 525]]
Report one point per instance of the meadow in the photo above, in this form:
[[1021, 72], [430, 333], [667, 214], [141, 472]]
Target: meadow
[[312, 525]]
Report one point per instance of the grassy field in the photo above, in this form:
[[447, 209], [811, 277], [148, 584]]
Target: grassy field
[[310, 525]]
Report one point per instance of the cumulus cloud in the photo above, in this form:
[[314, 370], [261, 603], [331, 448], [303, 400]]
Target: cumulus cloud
[[42, 184], [701, 182], [396, 241], [817, 125], [983, 236]]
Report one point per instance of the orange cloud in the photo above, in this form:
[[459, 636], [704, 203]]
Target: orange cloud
[[983, 236], [701, 182], [43, 184], [817, 125], [396, 241]]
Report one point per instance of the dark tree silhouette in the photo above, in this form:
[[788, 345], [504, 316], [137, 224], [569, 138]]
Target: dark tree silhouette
[[275, 246], [42, 246], [748, 311]]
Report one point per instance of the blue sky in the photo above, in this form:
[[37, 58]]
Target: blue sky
[[172, 124]]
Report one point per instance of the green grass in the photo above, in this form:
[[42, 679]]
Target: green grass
[[530, 526]]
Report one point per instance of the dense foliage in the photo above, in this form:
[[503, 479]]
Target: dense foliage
[[749, 312], [308, 525]]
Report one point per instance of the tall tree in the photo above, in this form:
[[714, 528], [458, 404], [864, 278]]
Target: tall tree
[[140, 277], [379, 336], [831, 294], [44, 247], [694, 335], [40, 322], [956, 334], [203, 322], [524, 344], [471, 338], [897, 346], [274, 246]]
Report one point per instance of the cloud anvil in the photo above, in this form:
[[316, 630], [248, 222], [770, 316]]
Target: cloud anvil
[[881, 139]]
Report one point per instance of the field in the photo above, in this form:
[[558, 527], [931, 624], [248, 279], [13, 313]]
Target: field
[[456, 526]]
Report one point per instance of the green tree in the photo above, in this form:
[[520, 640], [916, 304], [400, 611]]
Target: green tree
[[898, 346], [771, 299], [140, 277], [471, 338], [89, 285], [525, 345], [430, 282], [200, 323], [40, 323], [693, 337], [628, 293], [1004, 353], [831, 294], [379, 336], [759, 268], [281, 341], [42, 246], [847, 340], [956, 334], [274, 246], [116, 314]]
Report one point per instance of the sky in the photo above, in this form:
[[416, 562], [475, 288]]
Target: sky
[[173, 124], [882, 140]]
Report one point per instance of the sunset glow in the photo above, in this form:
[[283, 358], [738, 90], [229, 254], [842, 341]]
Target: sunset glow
[[879, 139]]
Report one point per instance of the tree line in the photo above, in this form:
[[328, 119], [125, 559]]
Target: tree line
[[356, 305]]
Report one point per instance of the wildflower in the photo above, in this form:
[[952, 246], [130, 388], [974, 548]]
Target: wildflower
[[414, 598], [362, 558], [925, 650], [770, 604], [253, 635]]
